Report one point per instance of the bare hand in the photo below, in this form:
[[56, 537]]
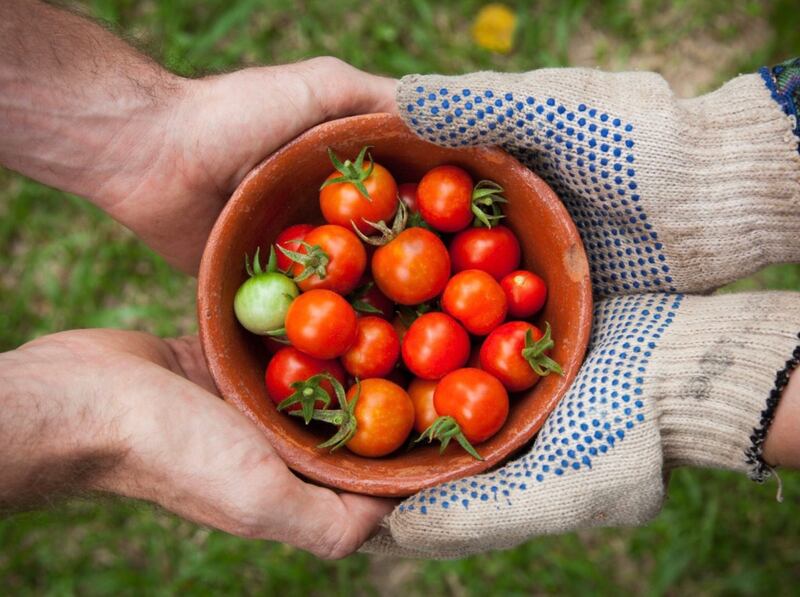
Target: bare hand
[[131, 414]]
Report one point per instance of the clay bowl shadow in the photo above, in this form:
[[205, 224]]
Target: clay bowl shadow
[[283, 190]]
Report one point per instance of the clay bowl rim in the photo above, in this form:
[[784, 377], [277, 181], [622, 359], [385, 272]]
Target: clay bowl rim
[[300, 459]]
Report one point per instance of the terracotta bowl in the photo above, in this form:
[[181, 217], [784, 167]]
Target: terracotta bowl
[[283, 190]]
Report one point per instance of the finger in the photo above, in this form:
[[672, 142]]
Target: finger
[[328, 524], [338, 89]]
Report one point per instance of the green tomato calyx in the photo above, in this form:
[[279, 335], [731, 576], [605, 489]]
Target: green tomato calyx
[[387, 234], [486, 200], [352, 172], [314, 261], [307, 393], [344, 417], [444, 429], [255, 270], [534, 351]]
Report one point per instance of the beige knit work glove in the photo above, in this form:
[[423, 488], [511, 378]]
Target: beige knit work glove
[[669, 195], [670, 380]]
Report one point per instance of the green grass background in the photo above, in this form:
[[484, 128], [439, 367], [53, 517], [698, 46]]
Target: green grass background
[[63, 265]]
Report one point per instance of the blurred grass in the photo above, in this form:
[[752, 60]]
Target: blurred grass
[[64, 265]]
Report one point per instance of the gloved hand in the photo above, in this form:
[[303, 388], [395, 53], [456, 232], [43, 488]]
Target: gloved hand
[[669, 195]]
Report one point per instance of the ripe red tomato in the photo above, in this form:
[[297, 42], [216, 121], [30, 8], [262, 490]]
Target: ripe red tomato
[[408, 195], [412, 268], [375, 351], [343, 262], [444, 196], [289, 365], [290, 239], [321, 323], [421, 393], [342, 203], [434, 345], [475, 399], [384, 417], [525, 292], [476, 300], [503, 354], [493, 250]]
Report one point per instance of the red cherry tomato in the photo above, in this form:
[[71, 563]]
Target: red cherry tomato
[[525, 292], [289, 365], [290, 239], [434, 345], [412, 268], [502, 356], [321, 323], [493, 250], [384, 417], [445, 198], [342, 203], [476, 300], [475, 399], [375, 351], [421, 393], [346, 259], [408, 195]]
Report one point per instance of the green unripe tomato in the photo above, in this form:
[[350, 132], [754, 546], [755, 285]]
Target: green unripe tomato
[[262, 301]]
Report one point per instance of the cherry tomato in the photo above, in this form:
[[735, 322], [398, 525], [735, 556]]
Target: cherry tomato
[[343, 204], [475, 399], [445, 198], [476, 300], [434, 345], [525, 292], [493, 250], [408, 195], [262, 301], [502, 355], [368, 299], [343, 262], [321, 323], [384, 417], [375, 351], [290, 239], [412, 268], [421, 393], [289, 365]]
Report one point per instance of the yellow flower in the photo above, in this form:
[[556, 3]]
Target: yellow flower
[[493, 28]]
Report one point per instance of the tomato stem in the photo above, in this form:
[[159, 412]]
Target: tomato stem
[[256, 270], [352, 172], [307, 393], [344, 417], [534, 351], [314, 261], [387, 234], [486, 198], [444, 429]]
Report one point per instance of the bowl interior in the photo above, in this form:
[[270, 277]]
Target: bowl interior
[[283, 190]]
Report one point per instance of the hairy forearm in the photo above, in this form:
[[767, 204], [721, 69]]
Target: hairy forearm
[[78, 106], [54, 439]]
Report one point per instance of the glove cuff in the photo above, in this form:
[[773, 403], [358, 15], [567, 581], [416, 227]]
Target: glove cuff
[[721, 368]]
